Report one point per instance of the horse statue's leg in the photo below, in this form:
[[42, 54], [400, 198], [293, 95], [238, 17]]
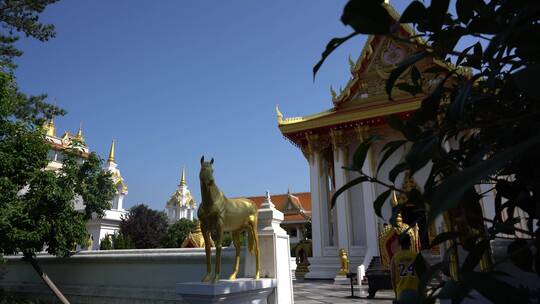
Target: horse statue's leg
[[236, 241], [217, 275], [208, 250], [254, 244]]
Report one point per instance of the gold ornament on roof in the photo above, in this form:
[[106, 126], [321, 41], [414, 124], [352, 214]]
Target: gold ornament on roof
[[111, 153], [196, 239], [79, 136], [49, 128]]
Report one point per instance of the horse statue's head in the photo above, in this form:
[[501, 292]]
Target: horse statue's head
[[207, 172]]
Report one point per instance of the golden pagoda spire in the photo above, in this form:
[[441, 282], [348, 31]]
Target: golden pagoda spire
[[79, 135], [111, 153], [183, 180], [49, 128]]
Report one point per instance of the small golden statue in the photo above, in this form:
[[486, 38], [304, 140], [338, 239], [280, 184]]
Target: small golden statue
[[221, 214], [344, 261], [195, 239]]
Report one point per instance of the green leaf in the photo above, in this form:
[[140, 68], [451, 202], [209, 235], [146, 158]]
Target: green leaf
[[361, 153], [528, 79], [474, 257], [429, 274], [421, 152], [388, 150], [346, 187], [415, 12], [415, 75], [402, 66], [367, 17], [462, 54], [455, 110], [465, 10], [437, 13], [392, 175], [330, 47], [379, 202], [436, 69], [448, 194], [420, 265], [443, 237]]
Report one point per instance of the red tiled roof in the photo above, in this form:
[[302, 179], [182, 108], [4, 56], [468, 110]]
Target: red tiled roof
[[303, 199]]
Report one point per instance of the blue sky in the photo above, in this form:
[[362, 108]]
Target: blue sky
[[173, 80]]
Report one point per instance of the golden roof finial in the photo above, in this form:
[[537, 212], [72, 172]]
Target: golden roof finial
[[183, 180], [351, 63], [279, 115], [79, 135], [111, 153], [49, 128], [333, 93]]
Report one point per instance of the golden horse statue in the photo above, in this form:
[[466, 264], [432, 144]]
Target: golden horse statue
[[220, 214]]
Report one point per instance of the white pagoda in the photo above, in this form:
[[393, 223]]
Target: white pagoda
[[181, 204], [97, 228]]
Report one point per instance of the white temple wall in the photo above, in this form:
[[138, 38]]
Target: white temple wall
[[113, 276]]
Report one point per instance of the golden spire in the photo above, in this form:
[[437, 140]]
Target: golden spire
[[111, 153], [79, 135], [183, 180], [49, 127]]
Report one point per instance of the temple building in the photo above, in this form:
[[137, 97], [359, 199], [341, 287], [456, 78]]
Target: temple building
[[97, 228], [296, 208], [328, 141], [181, 204]]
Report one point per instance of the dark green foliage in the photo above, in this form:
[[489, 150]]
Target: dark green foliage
[[106, 243], [144, 226], [21, 17], [120, 241], [480, 125], [177, 233]]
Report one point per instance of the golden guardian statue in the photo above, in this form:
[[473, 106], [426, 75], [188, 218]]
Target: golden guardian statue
[[220, 214]]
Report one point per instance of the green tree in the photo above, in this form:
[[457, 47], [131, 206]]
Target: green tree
[[177, 233], [36, 205], [21, 16], [106, 243], [120, 241], [478, 126], [144, 226]]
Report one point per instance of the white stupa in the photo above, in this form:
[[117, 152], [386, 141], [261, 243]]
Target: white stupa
[[181, 204]]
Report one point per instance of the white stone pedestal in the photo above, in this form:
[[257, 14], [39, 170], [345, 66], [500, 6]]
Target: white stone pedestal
[[275, 252], [240, 291]]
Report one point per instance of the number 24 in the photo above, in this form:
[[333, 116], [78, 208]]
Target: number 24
[[406, 270]]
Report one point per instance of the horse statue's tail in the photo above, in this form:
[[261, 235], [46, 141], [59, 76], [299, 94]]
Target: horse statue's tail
[[251, 241]]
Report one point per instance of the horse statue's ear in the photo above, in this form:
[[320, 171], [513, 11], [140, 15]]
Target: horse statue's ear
[[212, 161], [202, 159]]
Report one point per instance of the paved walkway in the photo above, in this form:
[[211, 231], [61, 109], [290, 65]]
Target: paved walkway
[[316, 292]]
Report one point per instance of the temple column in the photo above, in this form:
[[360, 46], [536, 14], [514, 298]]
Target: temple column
[[370, 219], [324, 263], [343, 203], [316, 205]]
